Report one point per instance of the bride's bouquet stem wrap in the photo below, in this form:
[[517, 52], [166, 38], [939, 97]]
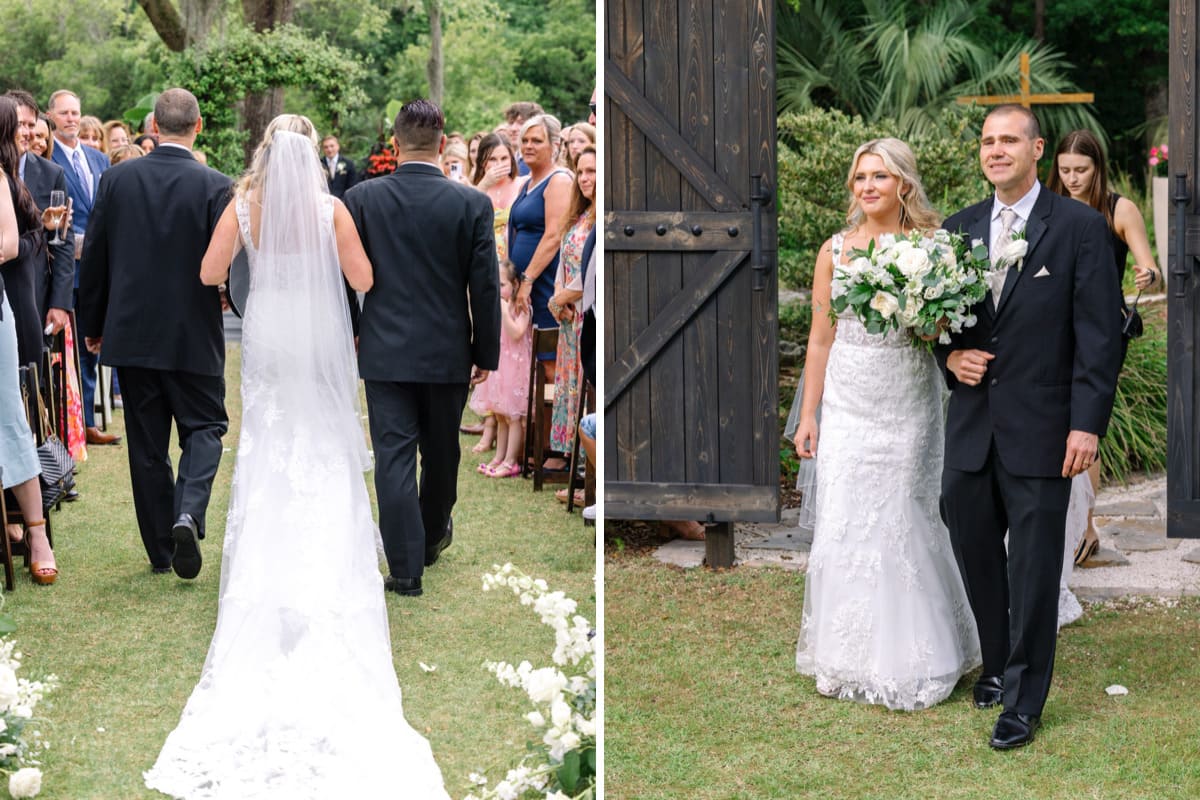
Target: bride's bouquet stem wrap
[[925, 283]]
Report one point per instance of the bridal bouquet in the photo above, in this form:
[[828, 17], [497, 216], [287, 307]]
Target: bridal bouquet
[[562, 765], [925, 283], [20, 745]]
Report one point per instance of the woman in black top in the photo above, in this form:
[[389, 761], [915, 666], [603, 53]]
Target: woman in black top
[[1081, 172]]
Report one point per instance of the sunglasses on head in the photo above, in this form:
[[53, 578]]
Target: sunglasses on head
[[592, 106]]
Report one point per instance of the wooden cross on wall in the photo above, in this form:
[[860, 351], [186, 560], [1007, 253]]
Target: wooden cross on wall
[[1026, 98]]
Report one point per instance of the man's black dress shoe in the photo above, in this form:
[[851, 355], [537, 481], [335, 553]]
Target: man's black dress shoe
[[409, 587], [432, 555], [1014, 730], [988, 691], [159, 570], [186, 561]]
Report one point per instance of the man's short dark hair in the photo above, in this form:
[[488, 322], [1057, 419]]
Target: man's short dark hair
[[1031, 121], [419, 126], [23, 99], [176, 111], [522, 111]]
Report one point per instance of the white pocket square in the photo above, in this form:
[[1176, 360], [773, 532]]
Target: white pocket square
[[1042, 273]]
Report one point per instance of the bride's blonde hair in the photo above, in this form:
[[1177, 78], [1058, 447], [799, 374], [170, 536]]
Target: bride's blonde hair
[[296, 123], [898, 159]]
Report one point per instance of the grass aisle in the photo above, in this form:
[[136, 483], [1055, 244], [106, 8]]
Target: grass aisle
[[702, 701], [128, 645]]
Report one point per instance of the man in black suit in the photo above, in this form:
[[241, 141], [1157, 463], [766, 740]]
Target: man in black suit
[[141, 295], [429, 327], [1032, 388], [339, 172], [55, 287]]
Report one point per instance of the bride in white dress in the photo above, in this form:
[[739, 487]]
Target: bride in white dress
[[298, 698], [886, 618]]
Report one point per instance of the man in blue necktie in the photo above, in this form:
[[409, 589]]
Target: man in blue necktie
[[83, 166]]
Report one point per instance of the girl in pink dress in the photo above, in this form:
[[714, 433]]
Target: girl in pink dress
[[505, 393]]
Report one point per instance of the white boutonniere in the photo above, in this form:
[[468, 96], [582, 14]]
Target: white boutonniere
[[341, 168], [1013, 253]]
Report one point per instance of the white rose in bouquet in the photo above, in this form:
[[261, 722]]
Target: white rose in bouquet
[[885, 304], [914, 263]]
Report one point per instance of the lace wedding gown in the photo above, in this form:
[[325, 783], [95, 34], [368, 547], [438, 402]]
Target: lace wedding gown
[[886, 618], [298, 698]]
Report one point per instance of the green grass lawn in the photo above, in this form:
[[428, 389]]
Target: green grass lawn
[[128, 645], [702, 701]]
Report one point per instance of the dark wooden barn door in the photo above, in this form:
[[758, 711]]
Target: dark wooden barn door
[[1183, 287], [690, 294]]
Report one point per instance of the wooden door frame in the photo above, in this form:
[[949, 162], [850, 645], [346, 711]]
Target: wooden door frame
[[1183, 294]]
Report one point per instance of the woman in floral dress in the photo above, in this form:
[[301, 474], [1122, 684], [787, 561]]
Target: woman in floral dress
[[568, 290]]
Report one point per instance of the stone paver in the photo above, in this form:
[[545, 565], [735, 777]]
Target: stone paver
[[1127, 508], [1106, 557], [1134, 542]]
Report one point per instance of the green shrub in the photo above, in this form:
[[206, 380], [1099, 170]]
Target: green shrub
[[815, 148], [794, 321], [1137, 432]]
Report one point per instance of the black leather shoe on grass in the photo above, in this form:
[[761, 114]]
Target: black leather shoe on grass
[[408, 587], [1014, 730], [186, 561], [988, 691]]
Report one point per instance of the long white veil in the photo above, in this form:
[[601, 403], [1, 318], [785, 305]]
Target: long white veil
[[297, 307]]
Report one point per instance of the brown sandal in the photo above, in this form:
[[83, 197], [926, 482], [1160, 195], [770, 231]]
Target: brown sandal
[[42, 572]]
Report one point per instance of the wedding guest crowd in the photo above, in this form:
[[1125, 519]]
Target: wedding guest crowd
[[539, 178]]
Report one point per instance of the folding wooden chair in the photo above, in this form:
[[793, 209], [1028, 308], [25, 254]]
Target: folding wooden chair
[[7, 551], [538, 411], [587, 404]]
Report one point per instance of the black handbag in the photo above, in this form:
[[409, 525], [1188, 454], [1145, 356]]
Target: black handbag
[[58, 467], [58, 471], [1132, 327]]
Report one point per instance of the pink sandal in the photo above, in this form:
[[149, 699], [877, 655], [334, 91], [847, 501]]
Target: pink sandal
[[504, 471]]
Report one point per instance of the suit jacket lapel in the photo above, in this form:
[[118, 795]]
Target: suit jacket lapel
[[1035, 228]]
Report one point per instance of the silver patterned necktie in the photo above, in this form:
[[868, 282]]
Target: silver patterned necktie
[[1008, 218], [77, 162]]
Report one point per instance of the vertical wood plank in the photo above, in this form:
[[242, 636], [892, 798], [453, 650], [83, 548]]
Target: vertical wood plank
[[1183, 416], [698, 128], [765, 353], [733, 366], [663, 183]]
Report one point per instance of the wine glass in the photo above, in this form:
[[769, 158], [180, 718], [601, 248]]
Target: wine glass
[[58, 199]]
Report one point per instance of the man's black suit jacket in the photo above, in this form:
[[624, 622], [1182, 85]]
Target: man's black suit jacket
[[434, 310], [1057, 339], [344, 177], [56, 284], [139, 283]]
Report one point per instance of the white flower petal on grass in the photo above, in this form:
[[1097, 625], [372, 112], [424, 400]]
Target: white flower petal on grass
[[1116, 690], [427, 667]]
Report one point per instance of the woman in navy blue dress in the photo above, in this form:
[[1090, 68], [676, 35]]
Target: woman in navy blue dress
[[537, 219]]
